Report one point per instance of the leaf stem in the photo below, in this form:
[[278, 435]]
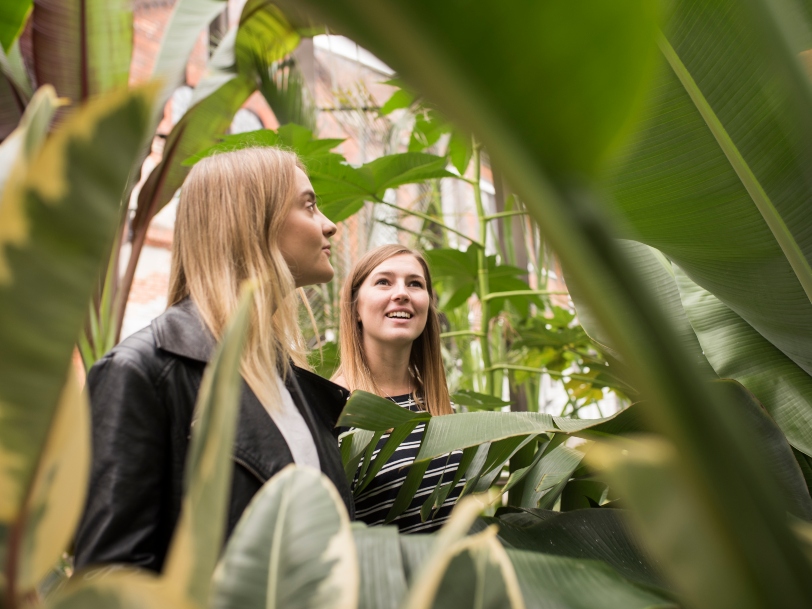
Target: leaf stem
[[783, 235], [508, 294], [461, 333], [505, 214], [420, 214], [483, 283]]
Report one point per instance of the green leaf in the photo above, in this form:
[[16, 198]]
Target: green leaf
[[399, 100], [353, 445], [129, 590], [383, 582], [478, 401], [429, 127], [198, 537], [13, 16], [342, 189], [544, 481], [367, 459], [738, 351], [299, 139], [677, 529], [717, 175], [19, 149], [369, 411], [457, 431], [554, 581], [396, 437], [292, 548], [659, 275], [54, 502], [583, 494], [11, 107], [462, 571], [408, 490], [595, 535], [57, 220], [82, 47], [460, 151], [189, 18]]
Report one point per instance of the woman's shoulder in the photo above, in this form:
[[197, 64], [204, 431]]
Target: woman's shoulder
[[341, 381]]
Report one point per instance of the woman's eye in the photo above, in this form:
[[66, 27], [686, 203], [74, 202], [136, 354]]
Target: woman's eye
[[382, 282], [417, 284]]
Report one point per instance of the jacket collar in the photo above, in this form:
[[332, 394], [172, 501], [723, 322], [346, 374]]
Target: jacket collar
[[181, 331]]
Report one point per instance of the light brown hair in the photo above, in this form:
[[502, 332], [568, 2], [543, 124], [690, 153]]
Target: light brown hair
[[231, 210], [425, 360]]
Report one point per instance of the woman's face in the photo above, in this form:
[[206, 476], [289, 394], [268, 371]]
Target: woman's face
[[305, 237], [393, 301]]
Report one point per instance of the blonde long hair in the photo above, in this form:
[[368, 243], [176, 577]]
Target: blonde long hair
[[231, 211], [425, 360]]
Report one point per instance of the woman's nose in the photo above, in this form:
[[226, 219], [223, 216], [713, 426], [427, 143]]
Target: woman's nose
[[328, 228], [400, 293]]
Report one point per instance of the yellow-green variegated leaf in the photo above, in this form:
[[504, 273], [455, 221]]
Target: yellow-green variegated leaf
[[292, 549], [58, 218], [465, 571], [20, 147], [678, 526], [198, 538], [114, 588], [57, 495]]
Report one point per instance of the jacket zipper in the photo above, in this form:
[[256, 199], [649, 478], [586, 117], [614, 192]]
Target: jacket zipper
[[250, 469]]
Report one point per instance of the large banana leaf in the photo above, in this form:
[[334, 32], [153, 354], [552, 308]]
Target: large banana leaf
[[58, 215], [718, 175], [292, 549], [738, 351], [591, 534], [82, 47], [557, 582], [383, 579], [656, 271], [198, 538], [704, 567]]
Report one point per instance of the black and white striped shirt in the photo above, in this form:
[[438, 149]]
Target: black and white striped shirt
[[373, 504]]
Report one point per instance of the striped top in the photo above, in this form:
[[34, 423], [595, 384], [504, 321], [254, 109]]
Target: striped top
[[374, 503]]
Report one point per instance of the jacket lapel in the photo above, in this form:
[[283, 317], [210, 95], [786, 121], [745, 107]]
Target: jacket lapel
[[258, 444]]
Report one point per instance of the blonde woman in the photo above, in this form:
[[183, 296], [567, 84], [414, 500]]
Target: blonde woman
[[249, 213], [390, 346]]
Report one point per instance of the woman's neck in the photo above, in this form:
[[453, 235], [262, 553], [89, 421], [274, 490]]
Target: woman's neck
[[389, 366]]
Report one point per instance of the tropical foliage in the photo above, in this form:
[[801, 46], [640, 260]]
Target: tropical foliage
[[691, 139]]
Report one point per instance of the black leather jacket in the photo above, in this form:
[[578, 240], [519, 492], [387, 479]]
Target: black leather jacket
[[142, 397]]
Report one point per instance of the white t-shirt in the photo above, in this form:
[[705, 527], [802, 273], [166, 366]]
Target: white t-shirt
[[294, 429]]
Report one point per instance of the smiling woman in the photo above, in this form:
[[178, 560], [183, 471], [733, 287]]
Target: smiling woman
[[390, 346]]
